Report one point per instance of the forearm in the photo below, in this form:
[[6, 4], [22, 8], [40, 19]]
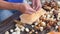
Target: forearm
[[8, 5]]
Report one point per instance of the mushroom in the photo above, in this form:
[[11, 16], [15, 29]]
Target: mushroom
[[17, 30], [14, 33], [58, 17], [6, 32], [26, 29], [41, 28], [31, 31], [43, 24], [56, 27], [36, 32], [11, 30]]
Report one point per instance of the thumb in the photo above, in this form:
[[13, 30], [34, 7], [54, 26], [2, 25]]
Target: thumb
[[31, 10]]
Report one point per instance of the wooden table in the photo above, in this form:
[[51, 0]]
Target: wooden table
[[8, 23]]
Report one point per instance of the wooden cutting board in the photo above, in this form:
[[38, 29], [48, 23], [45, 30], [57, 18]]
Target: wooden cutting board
[[30, 18]]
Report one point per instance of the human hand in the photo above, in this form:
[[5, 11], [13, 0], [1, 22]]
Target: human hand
[[26, 8], [36, 4]]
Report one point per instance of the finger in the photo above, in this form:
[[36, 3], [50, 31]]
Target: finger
[[37, 8], [28, 12], [38, 5], [31, 10], [33, 4]]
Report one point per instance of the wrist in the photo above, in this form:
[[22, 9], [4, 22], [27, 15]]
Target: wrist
[[20, 7]]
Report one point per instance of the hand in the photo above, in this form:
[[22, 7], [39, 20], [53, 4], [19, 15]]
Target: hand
[[26, 8], [36, 4]]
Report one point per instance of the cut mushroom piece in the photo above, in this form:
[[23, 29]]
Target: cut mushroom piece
[[58, 17], [58, 23], [52, 18], [33, 30], [56, 27], [22, 29], [14, 33], [44, 16], [32, 25], [6, 32], [48, 16], [30, 32], [11, 30], [43, 23], [17, 30], [41, 28], [26, 29], [36, 32], [36, 23]]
